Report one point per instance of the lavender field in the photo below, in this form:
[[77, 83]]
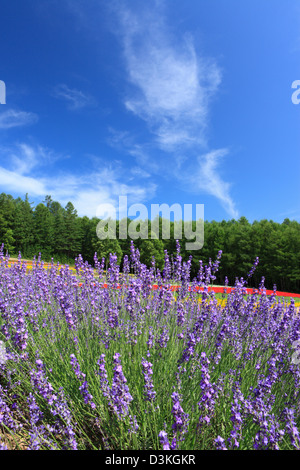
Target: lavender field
[[127, 367]]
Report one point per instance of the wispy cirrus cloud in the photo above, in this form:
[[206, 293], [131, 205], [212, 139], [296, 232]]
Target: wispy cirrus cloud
[[137, 171], [22, 170], [76, 99], [208, 179], [14, 182], [26, 159], [14, 118], [173, 87]]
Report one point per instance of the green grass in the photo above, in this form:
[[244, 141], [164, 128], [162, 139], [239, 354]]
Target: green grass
[[50, 339]]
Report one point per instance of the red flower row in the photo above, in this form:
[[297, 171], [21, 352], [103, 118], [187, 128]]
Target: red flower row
[[218, 290]]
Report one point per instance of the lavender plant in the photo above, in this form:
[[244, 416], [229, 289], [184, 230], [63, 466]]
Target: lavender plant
[[209, 371]]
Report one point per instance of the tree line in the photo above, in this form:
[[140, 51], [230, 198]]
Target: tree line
[[58, 232]]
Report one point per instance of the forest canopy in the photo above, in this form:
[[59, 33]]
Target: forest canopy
[[58, 232]]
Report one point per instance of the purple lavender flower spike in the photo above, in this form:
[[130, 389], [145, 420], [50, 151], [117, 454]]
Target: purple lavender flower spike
[[38, 433], [163, 437], [104, 384], [291, 427], [181, 419], [220, 443], [149, 387], [119, 390], [57, 403], [207, 403], [84, 385]]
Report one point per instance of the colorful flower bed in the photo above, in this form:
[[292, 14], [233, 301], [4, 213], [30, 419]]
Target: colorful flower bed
[[153, 360]]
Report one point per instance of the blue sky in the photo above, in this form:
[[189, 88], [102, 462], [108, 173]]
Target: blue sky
[[162, 101]]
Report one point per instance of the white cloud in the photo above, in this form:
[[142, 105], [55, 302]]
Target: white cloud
[[137, 171], [102, 185], [18, 183], [173, 85], [206, 178], [173, 88], [13, 118], [25, 159], [75, 98]]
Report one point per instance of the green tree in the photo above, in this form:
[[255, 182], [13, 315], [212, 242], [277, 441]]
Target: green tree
[[152, 248], [88, 238], [107, 246], [72, 231], [43, 230], [7, 210], [23, 223], [59, 243]]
